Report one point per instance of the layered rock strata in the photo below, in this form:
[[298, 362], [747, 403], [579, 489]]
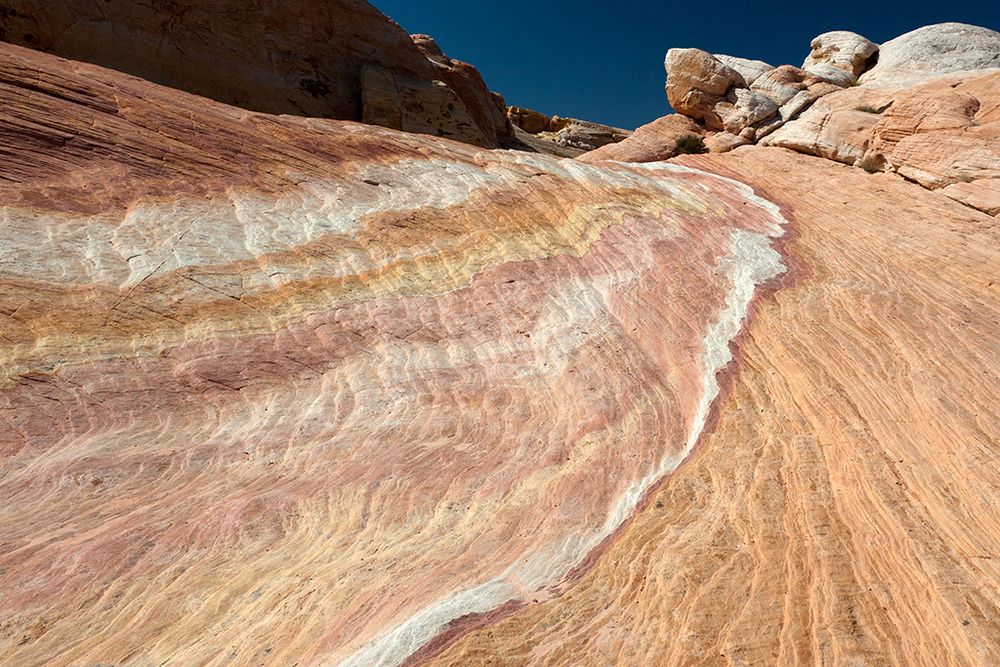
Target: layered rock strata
[[841, 509], [320, 58], [289, 390], [277, 390]]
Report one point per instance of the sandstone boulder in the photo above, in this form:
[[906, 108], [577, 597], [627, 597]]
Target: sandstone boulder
[[528, 120], [697, 81], [649, 143], [750, 70], [832, 75], [310, 58], [750, 108], [841, 50], [723, 142], [781, 84], [934, 50], [831, 128], [588, 136]]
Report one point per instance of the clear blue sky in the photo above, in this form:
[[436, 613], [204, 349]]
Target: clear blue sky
[[603, 61]]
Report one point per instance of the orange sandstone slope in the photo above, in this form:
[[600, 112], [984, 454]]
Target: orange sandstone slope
[[842, 510], [287, 391]]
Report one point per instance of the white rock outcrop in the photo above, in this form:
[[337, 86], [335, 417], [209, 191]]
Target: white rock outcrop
[[933, 50], [750, 70], [839, 50]]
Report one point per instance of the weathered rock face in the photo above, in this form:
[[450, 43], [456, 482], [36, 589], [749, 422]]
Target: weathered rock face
[[705, 87], [529, 120], [650, 143], [579, 136], [933, 50], [277, 390], [295, 364], [323, 58], [942, 133], [926, 110], [840, 50], [697, 82], [812, 521], [487, 109], [750, 70], [749, 108]]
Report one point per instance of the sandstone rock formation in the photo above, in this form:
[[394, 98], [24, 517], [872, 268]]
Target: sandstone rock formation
[[943, 134], [552, 133], [298, 391], [750, 70], [697, 81], [944, 48], [705, 88], [843, 51], [649, 143], [529, 120], [291, 390], [841, 509], [322, 58], [926, 107]]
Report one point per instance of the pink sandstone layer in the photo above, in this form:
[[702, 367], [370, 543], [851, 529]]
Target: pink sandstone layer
[[305, 392]]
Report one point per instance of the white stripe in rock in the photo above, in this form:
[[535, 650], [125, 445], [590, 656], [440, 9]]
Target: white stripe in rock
[[752, 261]]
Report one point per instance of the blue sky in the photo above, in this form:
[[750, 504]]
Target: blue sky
[[603, 61]]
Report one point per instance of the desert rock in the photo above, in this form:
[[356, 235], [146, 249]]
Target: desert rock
[[649, 143], [843, 50], [982, 194], [529, 120], [750, 70], [723, 142], [258, 357], [279, 390], [815, 508], [933, 50], [567, 133], [833, 128], [697, 81], [311, 58], [940, 133], [749, 109], [926, 110]]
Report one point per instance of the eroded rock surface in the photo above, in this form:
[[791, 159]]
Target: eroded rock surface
[[563, 136], [321, 58], [277, 390], [305, 391], [649, 143], [842, 50], [750, 70], [923, 105], [697, 82], [940, 133], [841, 510], [944, 48]]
